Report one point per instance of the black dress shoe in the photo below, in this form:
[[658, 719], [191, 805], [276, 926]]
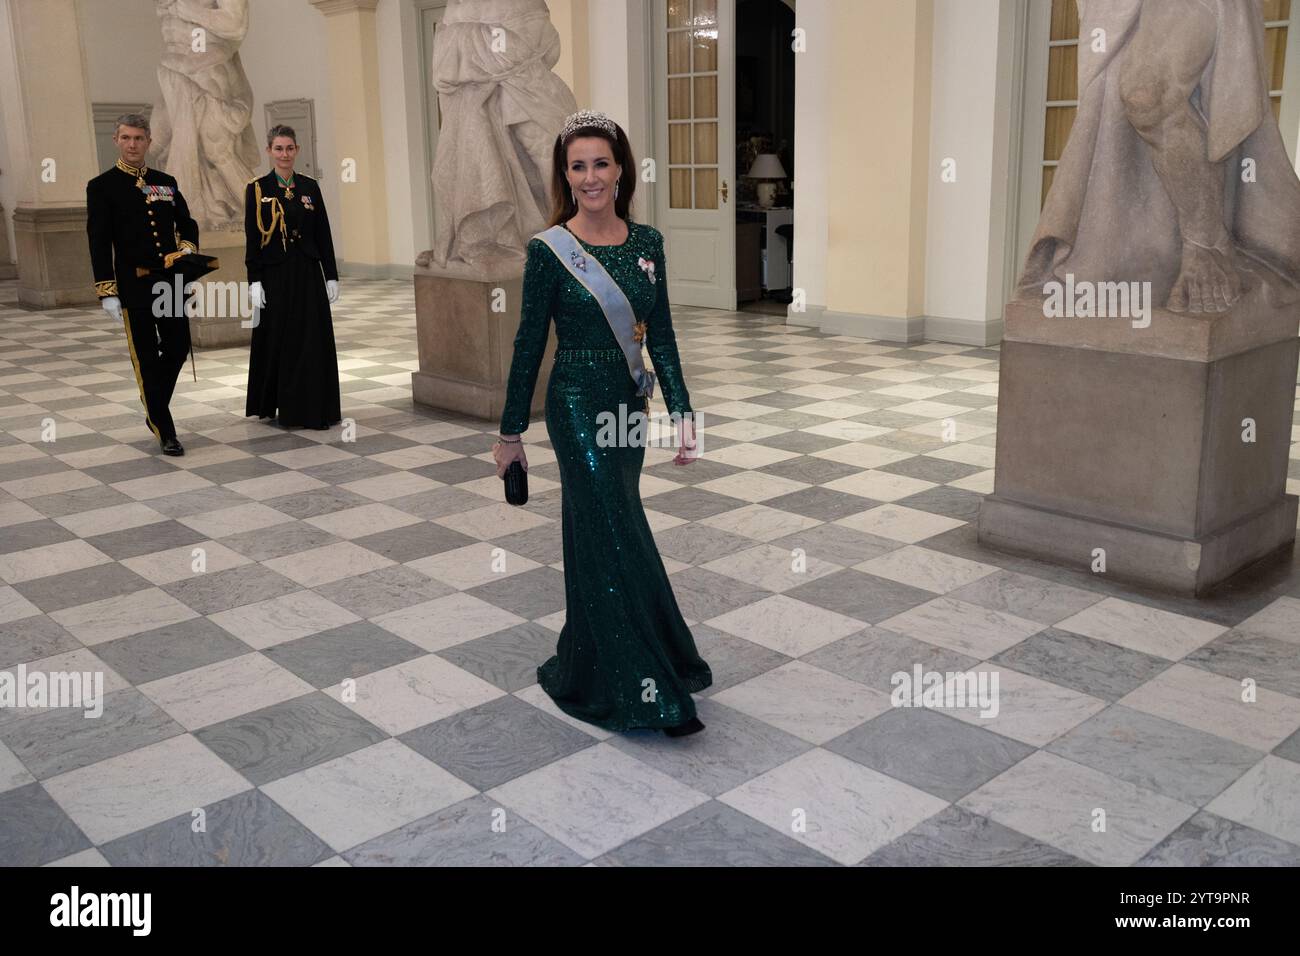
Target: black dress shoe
[[170, 446], [692, 726]]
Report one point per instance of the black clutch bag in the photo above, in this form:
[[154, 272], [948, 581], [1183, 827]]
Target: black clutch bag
[[516, 480]]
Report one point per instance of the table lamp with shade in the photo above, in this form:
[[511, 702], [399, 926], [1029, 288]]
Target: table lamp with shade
[[767, 166]]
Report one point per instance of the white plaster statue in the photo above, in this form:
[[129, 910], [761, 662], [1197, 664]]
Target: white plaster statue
[[202, 132], [502, 108], [1175, 171]]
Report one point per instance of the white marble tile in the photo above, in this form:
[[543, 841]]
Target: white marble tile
[[414, 693], [900, 523], [748, 455], [331, 562], [926, 569], [752, 486], [121, 517], [981, 482], [361, 795], [1266, 797], [19, 566], [363, 520], [225, 522], [1205, 701], [1280, 621], [177, 564], [760, 522], [806, 701], [300, 458], [596, 799], [17, 512], [1066, 805], [860, 454], [123, 794], [767, 566], [12, 772], [274, 486], [1030, 710], [447, 621], [217, 692], [1142, 628], [394, 485], [90, 857], [493, 521], [102, 455], [15, 607], [533, 694], [787, 625], [121, 616], [962, 627], [285, 618], [156, 486], [53, 484], [472, 565], [834, 805]]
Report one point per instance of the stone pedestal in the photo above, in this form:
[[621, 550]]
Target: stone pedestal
[[466, 348], [1131, 440], [53, 257], [223, 305], [7, 269]]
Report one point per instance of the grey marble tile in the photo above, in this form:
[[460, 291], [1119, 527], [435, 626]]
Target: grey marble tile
[[353, 650], [1031, 598], [473, 832], [238, 469], [414, 541], [32, 534], [734, 748], [808, 469], [1289, 748], [733, 660], [530, 594], [838, 544], [946, 500], [926, 468], [233, 587], [456, 470], [1082, 663], [60, 591], [386, 589], [713, 834], [692, 504], [169, 650], [290, 736], [312, 504], [33, 639], [803, 442], [495, 742], [248, 829], [65, 739], [1273, 664], [702, 594], [436, 503], [872, 656], [509, 659], [1209, 840], [82, 499], [1156, 754], [694, 543], [824, 504], [146, 539], [34, 830], [930, 751], [128, 470], [290, 537], [701, 471], [542, 544], [863, 596], [957, 837], [199, 501]]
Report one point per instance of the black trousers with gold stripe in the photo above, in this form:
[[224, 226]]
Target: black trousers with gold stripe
[[158, 349]]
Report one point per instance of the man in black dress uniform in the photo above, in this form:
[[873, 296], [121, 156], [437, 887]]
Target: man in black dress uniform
[[138, 224]]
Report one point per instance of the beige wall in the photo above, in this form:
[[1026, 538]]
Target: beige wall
[[877, 174]]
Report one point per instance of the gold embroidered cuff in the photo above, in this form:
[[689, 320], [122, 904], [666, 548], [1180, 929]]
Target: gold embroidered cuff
[[186, 246], [105, 289]]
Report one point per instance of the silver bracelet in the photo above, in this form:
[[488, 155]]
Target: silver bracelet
[[509, 441]]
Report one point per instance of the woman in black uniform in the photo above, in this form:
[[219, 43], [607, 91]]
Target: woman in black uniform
[[292, 367]]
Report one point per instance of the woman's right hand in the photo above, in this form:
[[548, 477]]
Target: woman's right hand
[[507, 451]]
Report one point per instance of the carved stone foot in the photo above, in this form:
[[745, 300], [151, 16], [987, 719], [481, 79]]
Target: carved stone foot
[[1208, 282]]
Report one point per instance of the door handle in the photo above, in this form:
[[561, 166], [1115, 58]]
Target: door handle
[[724, 190]]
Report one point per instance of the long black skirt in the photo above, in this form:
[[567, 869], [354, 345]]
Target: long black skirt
[[293, 368]]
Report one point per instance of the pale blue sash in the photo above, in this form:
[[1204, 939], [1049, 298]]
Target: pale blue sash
[[618, 310]]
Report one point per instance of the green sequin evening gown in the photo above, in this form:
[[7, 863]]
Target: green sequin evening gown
[[626, 658]]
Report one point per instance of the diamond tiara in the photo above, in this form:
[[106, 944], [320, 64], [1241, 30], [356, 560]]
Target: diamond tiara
[[585, 118]]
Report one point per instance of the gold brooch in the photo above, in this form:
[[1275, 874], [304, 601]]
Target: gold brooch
[[638, 332]]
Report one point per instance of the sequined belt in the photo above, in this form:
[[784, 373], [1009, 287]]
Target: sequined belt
[[589, 355]]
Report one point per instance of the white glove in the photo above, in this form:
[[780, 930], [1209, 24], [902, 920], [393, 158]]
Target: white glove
[[113, 306], [332, 290], [257, 295]]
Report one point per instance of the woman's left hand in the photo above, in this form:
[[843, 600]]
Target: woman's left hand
[[332, 290], [689, 449]]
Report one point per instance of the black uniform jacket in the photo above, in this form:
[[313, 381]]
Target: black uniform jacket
[[299, 222], [132, 226]]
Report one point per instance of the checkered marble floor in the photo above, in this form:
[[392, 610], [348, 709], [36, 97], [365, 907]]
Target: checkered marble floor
[[349, 679]]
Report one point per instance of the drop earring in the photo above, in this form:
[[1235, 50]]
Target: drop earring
[[616, 189]]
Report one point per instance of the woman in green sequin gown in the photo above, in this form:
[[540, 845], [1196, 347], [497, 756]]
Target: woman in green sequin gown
[[626, 658]]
